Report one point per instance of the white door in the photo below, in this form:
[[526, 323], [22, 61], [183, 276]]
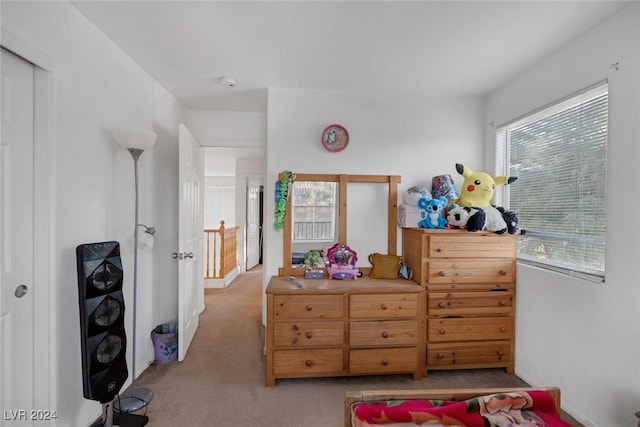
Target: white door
[[16, 239], [253, 223], [190, 231]]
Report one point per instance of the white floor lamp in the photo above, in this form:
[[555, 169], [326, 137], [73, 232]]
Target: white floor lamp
[[136, 141]]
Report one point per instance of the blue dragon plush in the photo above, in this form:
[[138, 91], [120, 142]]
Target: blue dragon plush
[[433, 212]]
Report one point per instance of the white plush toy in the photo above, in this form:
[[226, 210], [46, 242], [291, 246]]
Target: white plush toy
[[415, 193], [475, 219]]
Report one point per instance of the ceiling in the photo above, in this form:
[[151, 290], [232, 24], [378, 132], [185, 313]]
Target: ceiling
[[430, 48]]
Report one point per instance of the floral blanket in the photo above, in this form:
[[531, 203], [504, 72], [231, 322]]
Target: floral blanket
[[531, 408]]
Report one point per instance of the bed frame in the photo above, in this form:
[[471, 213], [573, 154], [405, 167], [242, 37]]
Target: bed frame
[[455, 394]]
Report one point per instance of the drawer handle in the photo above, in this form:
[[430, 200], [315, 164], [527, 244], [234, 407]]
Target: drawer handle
[[503, 272], [384, 362], [503, 329], [442, 331], [383, 306], [295, 327], [385, 335], [308, 363], [504, 303], [440, 356], [442, 304], [294, 340], [309, 308], [442, 273], [500, 354], [309, 335], [439, 250]]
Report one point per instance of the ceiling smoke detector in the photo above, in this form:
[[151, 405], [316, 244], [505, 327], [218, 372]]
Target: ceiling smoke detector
[[228, 82]]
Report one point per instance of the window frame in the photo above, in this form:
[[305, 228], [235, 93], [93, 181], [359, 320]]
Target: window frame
[[503, 193]]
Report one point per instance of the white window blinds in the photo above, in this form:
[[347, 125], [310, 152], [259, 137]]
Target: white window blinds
[[314, 211], [559, 155]]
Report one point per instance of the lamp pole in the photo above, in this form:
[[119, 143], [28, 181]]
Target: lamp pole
[[137, 398]]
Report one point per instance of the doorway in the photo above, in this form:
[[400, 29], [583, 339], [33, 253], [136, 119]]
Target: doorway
[[233, 193], [254, 223]]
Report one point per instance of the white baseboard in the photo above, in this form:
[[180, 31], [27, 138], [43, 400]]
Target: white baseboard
[[222, 283]]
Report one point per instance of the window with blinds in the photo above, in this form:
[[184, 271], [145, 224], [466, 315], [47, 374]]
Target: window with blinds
[[559, 155], [314, 211]]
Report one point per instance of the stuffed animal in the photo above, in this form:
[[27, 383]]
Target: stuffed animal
[[415, 193], [471, 219], [433, 209], [510, 218], [485, 218], [478, 187]]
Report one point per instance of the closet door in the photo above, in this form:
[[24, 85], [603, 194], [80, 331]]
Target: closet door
[[16, 239]]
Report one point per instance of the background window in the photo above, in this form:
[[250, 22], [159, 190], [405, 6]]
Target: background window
[[314, 211], [559, 155]]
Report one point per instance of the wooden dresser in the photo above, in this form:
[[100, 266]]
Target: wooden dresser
[[470, 279], [338, 328]]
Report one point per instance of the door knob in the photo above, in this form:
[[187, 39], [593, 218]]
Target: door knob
[[21, 291], [181, 255]]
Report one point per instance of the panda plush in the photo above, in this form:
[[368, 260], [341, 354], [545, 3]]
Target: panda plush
[[510, 218], [476, 219], [471, 219]]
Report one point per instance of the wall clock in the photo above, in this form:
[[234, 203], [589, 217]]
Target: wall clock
[[335, 138]]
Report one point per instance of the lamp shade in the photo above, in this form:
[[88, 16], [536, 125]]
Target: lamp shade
[[135, 138], [145, 240], [443, 186]]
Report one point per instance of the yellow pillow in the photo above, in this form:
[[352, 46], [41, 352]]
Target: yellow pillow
[[384, 266]]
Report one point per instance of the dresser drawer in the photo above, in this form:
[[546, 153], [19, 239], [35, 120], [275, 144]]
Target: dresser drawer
[[460, 270], [308, 334], [383, 306], [469, 329], [470, 303], [383, 333], [307, 362], [381, 361], [308, 307], [472, 246], [475, 287], [469, 355]]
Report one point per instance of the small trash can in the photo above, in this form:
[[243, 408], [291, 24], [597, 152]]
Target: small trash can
[[165, 342]]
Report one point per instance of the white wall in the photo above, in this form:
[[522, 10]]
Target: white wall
[[413, 138], [96, 89], [228, 128], [570, 333]]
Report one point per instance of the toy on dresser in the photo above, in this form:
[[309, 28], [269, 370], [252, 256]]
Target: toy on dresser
[[342, 262], [409, 214], [313, 263], [433, 212], [473, 211], [478, 187]]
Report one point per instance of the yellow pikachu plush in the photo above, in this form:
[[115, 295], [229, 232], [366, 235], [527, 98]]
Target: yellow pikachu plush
[[478, 187]]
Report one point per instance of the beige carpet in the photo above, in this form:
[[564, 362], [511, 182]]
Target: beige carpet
[[221, 381]]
